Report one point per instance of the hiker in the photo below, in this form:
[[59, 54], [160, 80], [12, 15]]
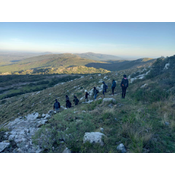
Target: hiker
[[104, 88], [95, 92], [56, 106], [86, 96], [75, 100], [124, 85], [67, 98], [113, 86], [68, 103]]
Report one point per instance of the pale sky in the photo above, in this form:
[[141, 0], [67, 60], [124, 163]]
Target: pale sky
[[135, 39]]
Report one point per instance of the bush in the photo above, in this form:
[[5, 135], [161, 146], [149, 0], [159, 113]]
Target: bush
[[150, 96]]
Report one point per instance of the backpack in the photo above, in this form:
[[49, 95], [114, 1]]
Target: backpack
[[57, 105], [77, 101], [114, 84], [97, 91], [125, 83], [106, 86]]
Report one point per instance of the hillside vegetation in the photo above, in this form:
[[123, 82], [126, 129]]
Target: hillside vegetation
[[46, 61], [98, 56], [144, 121], [123, 64]]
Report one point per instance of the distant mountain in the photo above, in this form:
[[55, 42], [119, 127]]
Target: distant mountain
[[8, 57], [54, 61], [98, 56]]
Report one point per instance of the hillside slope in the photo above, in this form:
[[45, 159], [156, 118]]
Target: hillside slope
[[98, 56], [122, 64], [144, 122], [47, 61]]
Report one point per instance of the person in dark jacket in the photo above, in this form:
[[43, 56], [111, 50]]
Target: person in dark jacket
[[86, 96], [75, 100], [68, 103], [113, 86], [95, 92], [124, 84], [67, 98], [104, 88], [56, 106]]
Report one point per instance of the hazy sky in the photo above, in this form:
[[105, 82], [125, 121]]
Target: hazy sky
[[117, 38]]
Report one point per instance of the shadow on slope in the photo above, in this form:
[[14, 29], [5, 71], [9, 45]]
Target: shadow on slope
[[121, 64]]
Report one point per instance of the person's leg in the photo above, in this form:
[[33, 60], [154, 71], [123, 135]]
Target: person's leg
[[122, 92], [113, 90], [125, 92]]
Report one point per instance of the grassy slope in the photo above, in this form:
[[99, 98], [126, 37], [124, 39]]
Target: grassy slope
[[139, 125], [122, 64]]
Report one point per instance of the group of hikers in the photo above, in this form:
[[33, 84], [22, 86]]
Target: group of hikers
[[124, 84]]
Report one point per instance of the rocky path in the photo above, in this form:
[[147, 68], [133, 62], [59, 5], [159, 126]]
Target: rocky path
[[18, 138]]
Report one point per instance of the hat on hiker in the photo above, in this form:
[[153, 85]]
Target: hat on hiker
[[124, 76]]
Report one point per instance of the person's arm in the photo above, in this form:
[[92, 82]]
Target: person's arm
[[121, 83]]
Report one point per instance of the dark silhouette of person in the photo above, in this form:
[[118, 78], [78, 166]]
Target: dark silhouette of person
[[124, 84]]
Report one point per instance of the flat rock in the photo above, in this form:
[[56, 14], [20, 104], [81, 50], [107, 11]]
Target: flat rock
[[109, 99], [93, 137]]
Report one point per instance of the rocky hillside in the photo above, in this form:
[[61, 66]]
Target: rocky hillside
[[143, 122], [62, 70], [46, 61]]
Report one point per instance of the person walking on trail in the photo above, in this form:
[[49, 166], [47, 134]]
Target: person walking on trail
[[124, 85], [86, 96], [104, 88], [56, 105], [67, 98], [113, 86], [76, 101], [95, 92], [68, 103]]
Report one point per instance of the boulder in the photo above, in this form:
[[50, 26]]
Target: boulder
[[121, 148], [109, 99], [106, 77], [93, 137], [143, 86], [66, 150], [167, 65], [4, 145]]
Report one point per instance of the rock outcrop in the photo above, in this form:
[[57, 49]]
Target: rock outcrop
[[93, 137], [21, 131]]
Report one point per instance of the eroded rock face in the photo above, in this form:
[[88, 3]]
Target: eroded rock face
[[93, 137], [22, 129]]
